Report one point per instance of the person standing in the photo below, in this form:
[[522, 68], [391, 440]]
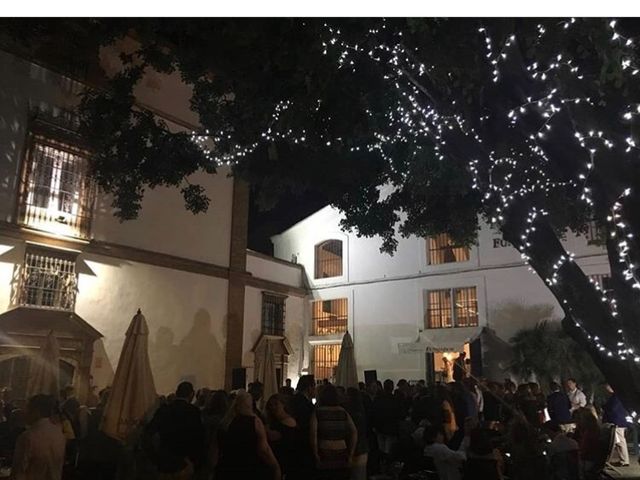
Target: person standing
[[460, 367], [284, 437], [576, 396], [355, 408], [333, 436], [558, 406], [39, 453], [287, 389], [178, 424], [301, 407], [244, 448], [613, 412]]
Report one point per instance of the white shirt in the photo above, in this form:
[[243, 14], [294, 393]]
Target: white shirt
[[39, 453], [577, 398], [448, 462]]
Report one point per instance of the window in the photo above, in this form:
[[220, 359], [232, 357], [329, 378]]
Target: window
[[325, 361], [329, 316], [455, 307], [48, 279], [328, 259], [57, 193], [441, 249], [594, 234], [273, 314]]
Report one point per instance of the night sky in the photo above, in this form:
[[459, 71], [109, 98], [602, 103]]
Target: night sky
[[289, 210]]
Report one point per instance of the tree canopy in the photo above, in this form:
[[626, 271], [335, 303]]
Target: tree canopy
[[409, 126]]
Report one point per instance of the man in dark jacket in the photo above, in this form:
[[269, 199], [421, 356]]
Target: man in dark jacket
[[387, 413], [181, 436], [613, 412], [558, 405], [301, 406]]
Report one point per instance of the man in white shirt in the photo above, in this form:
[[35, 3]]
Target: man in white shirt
[[39, 453], [448, 462], [576, 396]]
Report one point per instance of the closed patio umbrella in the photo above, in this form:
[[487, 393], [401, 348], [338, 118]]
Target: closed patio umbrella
[[267, 373], [346, 372], [133, 392], [44, 373]]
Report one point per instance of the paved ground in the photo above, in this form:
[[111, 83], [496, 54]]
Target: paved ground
[[630, 472]]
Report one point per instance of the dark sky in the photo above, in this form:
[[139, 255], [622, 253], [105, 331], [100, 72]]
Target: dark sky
[[289, 210]]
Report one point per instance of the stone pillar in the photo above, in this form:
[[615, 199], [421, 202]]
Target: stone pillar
[[237, 275]]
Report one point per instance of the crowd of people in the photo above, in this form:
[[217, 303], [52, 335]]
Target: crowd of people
[[465, 429]]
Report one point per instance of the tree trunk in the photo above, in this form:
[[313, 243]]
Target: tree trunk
[[588, 319]]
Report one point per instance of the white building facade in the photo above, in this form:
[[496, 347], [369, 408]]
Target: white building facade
[[410, 314], [68, 265]]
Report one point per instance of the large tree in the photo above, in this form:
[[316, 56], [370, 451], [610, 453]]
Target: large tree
[[526, 123]]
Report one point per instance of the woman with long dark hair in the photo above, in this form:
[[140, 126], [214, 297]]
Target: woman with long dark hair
[[355, 408], [284, 437]]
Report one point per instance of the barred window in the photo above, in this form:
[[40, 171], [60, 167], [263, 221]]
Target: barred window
[[442, 249], [57, 194], [328, 259], [48, 279], [273, 311], [329, 316], [594, 234], [452, 307], [325, 361]]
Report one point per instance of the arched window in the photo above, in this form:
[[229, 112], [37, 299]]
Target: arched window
[[328, 259]]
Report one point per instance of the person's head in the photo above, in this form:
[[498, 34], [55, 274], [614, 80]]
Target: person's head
[[218, 403], [275, 408], [342, 393], [534, 388], [571, 384], [372, 388], [256, 389], [306, 385], [287, 383], [554, 386], [422, 384], [40, 406], [242, 405], [328, 397], [361, 386], [524, 390], [463, 355], [387, 386], [403, 384], [509, 386], [354, 400], [185, 391], [608, 388], [432, 434]]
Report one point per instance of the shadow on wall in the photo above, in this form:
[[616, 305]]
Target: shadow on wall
[[198, 358], [506, 320]]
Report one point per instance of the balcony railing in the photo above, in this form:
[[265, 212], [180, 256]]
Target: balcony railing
[[48, 282]]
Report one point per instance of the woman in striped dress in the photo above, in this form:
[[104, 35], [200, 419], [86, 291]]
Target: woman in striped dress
[[333, 436]]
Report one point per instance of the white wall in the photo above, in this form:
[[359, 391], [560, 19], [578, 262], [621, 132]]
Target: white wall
[[276, 271], [294, 325], [386, 294], [185, 312], [164, 225]]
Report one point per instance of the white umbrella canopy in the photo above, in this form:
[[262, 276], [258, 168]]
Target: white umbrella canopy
[[44, 373], [133, 393], [267, 373], [346, 372]]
